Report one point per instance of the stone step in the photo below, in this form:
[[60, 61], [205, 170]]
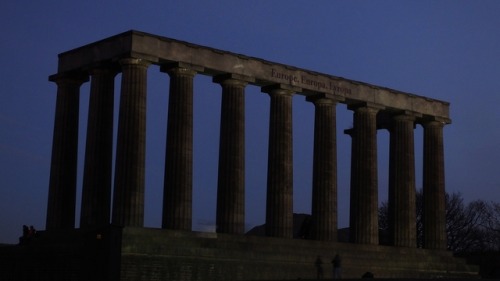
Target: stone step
[[387, 261], [155, 254]]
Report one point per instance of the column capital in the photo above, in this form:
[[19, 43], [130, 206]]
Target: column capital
[[233, 78], [386, 119], [406, 115], [434, 121], [403, 117], [104, 69], [362, 107], [181, 68], [280, 89], [134, 61], [69, 77], [324, 98], [365, 105]]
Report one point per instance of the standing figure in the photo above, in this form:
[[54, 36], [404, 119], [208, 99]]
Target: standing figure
[[337, 264], [31, 232], [24, 239]]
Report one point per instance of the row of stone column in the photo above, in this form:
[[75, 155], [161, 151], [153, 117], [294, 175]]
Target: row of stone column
[[363, 218], [128, 196]]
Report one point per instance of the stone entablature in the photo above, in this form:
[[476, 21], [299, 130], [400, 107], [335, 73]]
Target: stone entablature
[[209, 61]]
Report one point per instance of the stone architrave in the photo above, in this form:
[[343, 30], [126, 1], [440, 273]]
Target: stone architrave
[[279, 201], [178, 183], [63, 166], [128, 199], [230, 215], [363, 216], [96, 190], [402, 208], [434, 216], [324, 189]]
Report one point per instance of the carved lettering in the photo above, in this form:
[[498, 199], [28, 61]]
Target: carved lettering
[[316, 84], [283, 76], [309, 82], [339, 90]]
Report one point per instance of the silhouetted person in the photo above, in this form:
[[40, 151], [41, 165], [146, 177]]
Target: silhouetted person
[[31, 232], [25, 237], [28, 233], [337, 266], [319, 268]]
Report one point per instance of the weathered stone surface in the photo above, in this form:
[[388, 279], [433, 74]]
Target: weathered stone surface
[[363, 215], [279, 203], [175, 252], [158, 50], [434, 217], [178, 183], [402, 208], [230, 214], [96, 190], [128, 200], [324, 190], [63, 166], [114, 254]]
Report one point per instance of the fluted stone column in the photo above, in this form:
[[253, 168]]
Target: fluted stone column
[[96, 191], [324, 189], [434, 186], [279, 202], [63, 166], [402, 213], [363, 218], [128, 199], [178, 183], [230, 215]]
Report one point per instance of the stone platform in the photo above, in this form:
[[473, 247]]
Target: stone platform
[[156, 254]]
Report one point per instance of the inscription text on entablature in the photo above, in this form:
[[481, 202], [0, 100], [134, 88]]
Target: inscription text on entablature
[[310, 82]]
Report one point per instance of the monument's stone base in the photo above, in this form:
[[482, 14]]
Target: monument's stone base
[[156, 254]]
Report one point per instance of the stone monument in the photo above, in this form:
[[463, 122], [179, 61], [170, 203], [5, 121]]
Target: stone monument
[[128, 251]]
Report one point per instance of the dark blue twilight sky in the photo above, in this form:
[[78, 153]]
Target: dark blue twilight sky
[[448, 50]]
